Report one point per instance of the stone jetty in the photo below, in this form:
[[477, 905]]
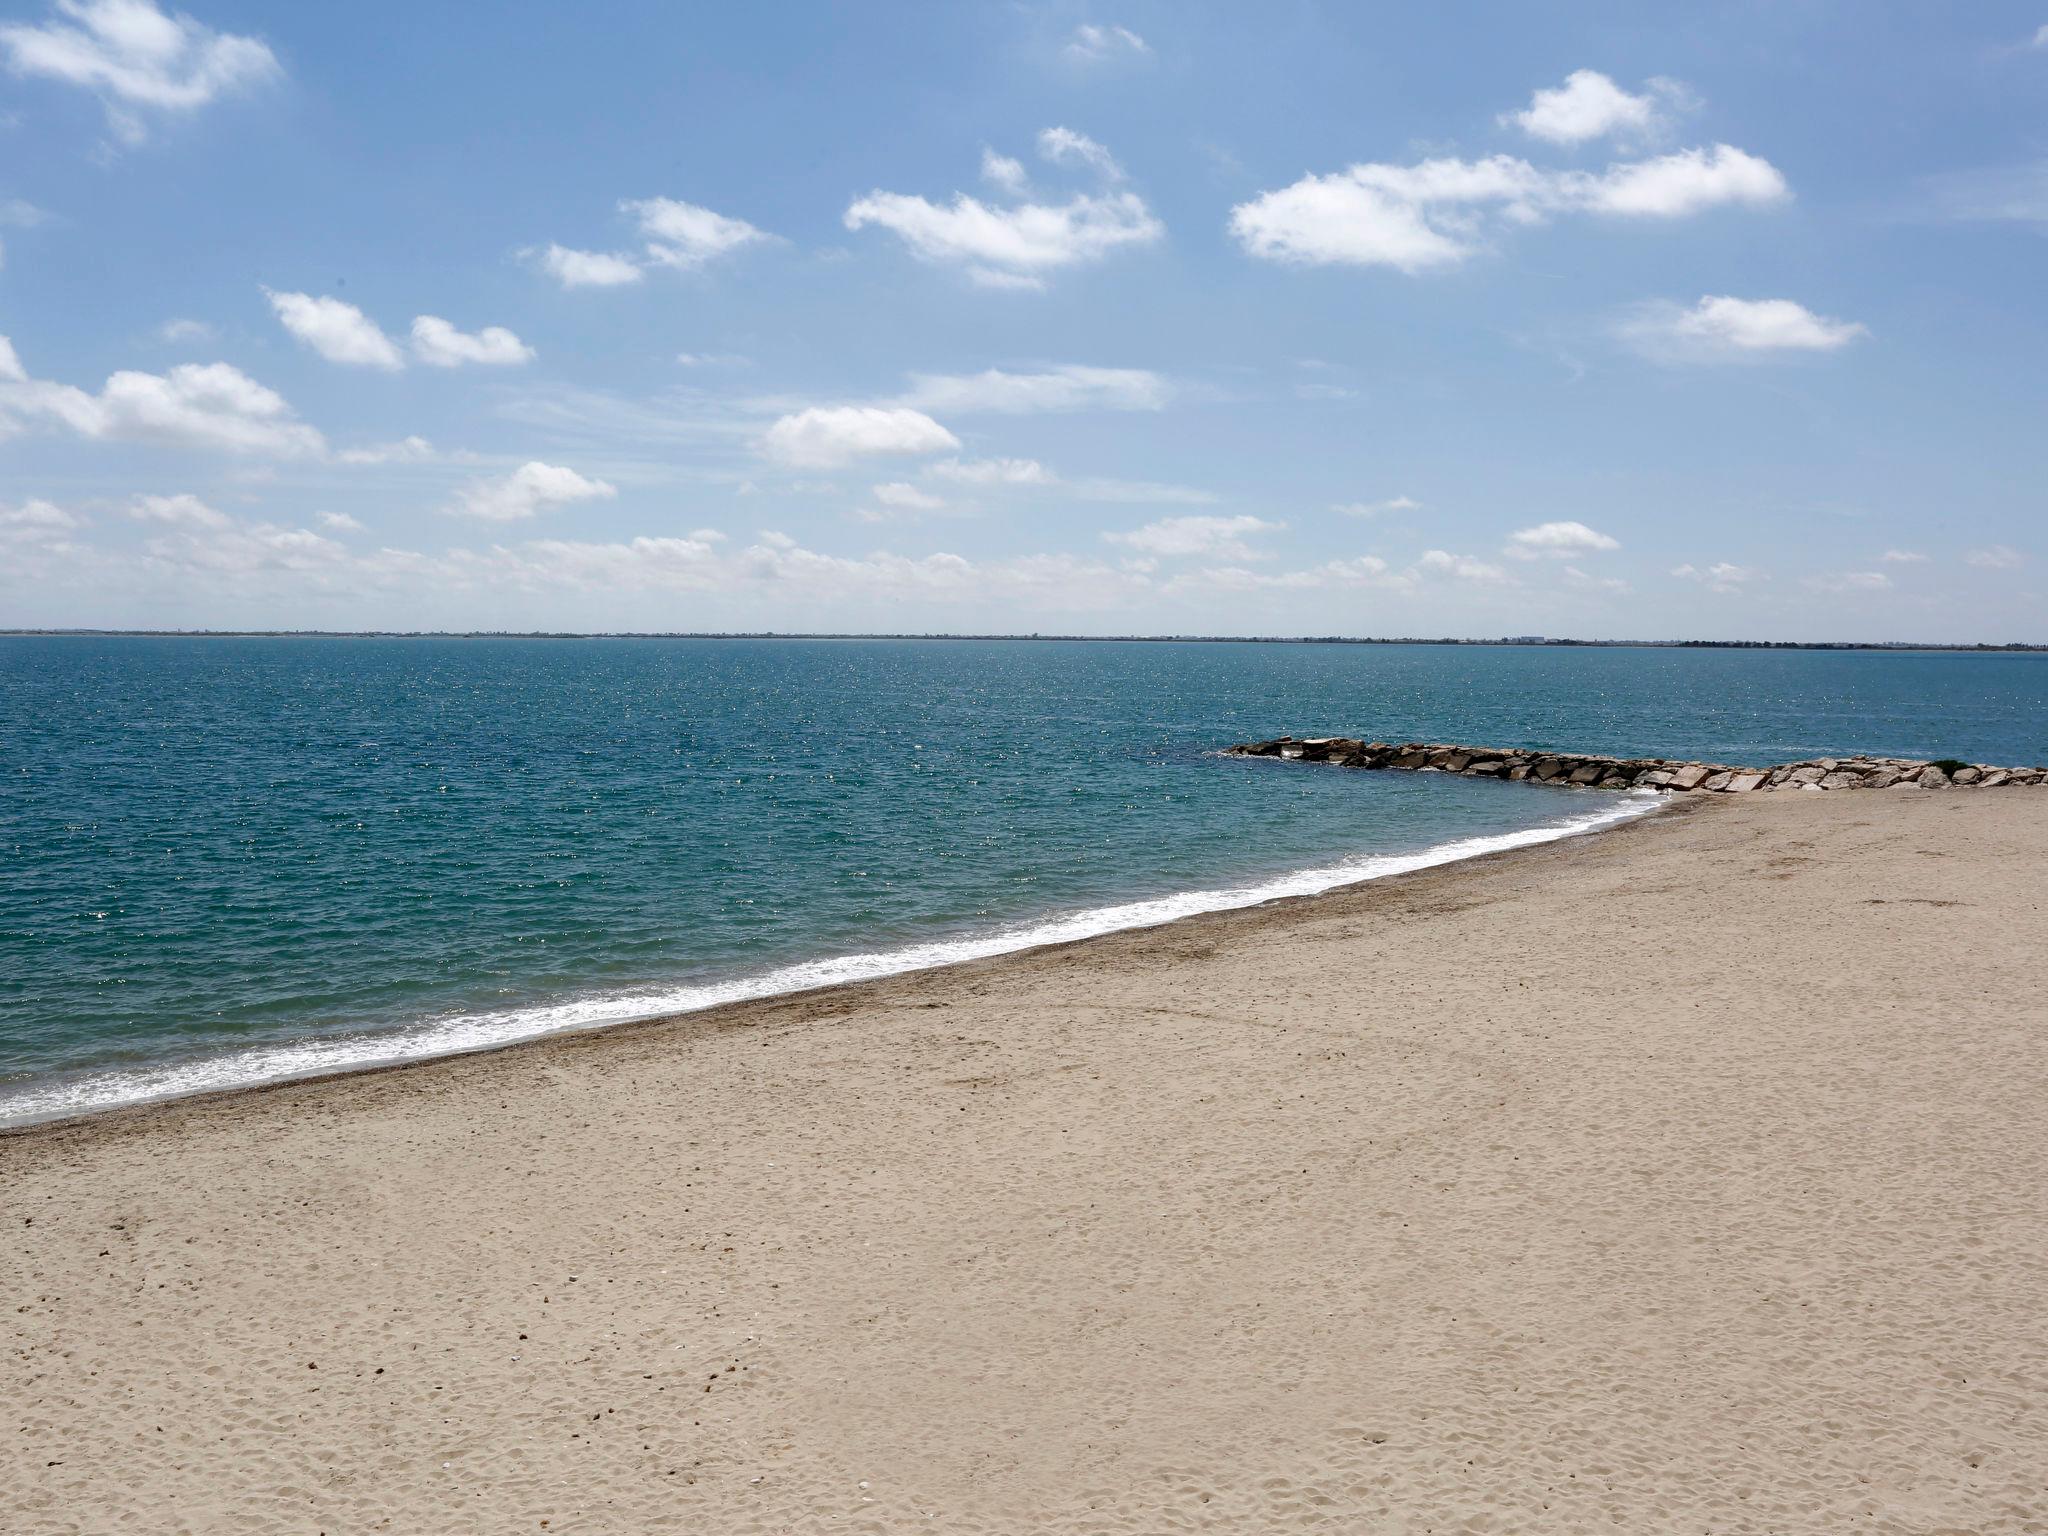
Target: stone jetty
[[1595, 771]]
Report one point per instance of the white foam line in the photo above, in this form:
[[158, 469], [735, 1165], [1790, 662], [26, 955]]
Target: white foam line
[[481, 1031]]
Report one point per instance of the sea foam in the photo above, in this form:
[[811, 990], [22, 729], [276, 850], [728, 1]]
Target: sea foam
[[84, 1093]]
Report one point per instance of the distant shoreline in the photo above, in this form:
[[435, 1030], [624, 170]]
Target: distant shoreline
[[1513, 642]]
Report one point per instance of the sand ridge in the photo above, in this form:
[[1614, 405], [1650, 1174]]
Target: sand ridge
[[1690, 1176]]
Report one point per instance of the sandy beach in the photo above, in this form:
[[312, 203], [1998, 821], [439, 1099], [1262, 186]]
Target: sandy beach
[[1688, 1177]]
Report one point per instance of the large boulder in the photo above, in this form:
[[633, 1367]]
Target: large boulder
[[1691, 776]]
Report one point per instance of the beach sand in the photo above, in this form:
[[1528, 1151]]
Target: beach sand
[[1689, 1177]]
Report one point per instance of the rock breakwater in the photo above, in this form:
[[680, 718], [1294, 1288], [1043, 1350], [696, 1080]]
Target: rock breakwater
[[1596, 771]]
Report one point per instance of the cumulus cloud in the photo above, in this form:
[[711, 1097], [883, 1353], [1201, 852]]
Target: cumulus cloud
[[37, 522], [1063, 146], [440, 345], [674, 234], [1558, 541], [683, 235], [136, 59], [1721, 328], [1441, 562], [1998, 557], [1004, 173], [175, 331], [992, 472], [407, 450], [1021, 244], [1095, 45], [1069, 387], [1438, 212], [1722, 576], [1849, 581], [1902, 557], [182, 511], [1377, 508], [338, 522], [1591, 106], [211, 405], [338, 331], [1031, 474], [824, 437], [1586, 581], [1219, 537], [902, 496], [587, 269], [1363, 571], [530, 489]]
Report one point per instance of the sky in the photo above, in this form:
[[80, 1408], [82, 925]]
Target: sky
[[1602, 320]]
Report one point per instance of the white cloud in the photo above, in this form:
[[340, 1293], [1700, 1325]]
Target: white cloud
[[1094, 45], [183, 511], [532, 488], [992, 472], [1063, 146], [338, 331], [37, 522], [1101, 488], [1902, 557], [1558, 541], [1377, 508], [713, 360], [339, 522], [905, 497], [1591, 106], [1221, 537], [1069, 387], [1722, 576], [135, 58], [1364, 571], [684, 235], [587, 269], [1029, 473], [673, 233], [1999, 557], [1020, 245], [211, 405], [174, 331], [1586, 581], [441, 345], [826, 436], [1003, 172], [409, 450], [1442, 562], [1849, 581], [1720, 328], [2040, 38], [1435, 213]]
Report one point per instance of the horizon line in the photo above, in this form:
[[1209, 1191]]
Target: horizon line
[[1522, 641]]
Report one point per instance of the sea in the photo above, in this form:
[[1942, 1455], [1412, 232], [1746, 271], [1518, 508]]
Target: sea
[[225, 861]]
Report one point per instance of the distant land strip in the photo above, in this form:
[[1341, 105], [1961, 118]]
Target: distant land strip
[[1536, 641], [1596, 770]]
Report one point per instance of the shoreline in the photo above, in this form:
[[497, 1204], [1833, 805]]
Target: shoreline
[[1696, 1174], [995, 945]]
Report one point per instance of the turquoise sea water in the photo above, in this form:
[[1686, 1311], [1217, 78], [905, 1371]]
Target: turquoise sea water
[[227, 860]]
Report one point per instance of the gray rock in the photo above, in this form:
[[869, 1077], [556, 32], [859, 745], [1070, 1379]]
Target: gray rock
[[1691, 776], [1742, 783]]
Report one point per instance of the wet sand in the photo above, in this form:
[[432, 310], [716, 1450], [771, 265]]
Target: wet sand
[[1692, 1176]]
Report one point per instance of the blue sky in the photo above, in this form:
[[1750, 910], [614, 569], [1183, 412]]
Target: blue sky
[[1602, 320]]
